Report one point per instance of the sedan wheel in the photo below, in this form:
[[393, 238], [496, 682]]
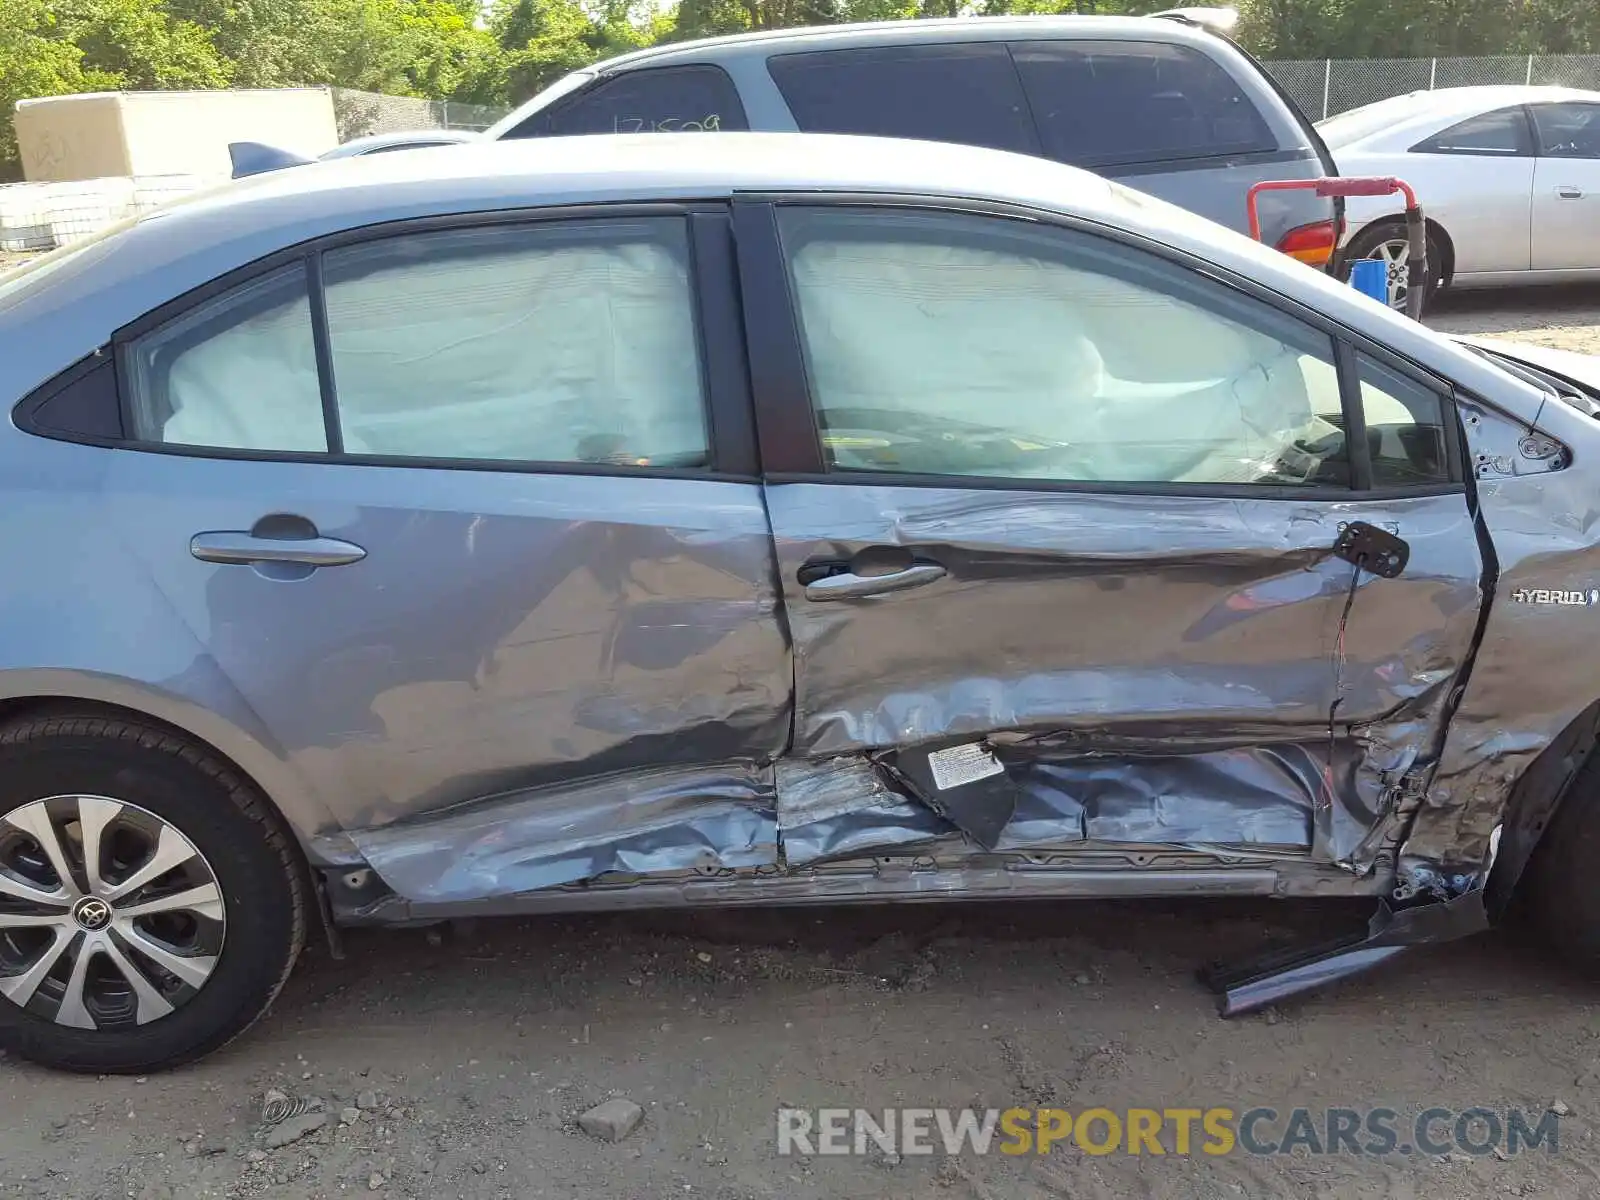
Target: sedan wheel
[[1393, 255], [150, 903], [109, 916], [1387, 244]]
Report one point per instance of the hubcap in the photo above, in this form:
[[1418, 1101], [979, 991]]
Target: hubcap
[[1393, 256], [109, 916]]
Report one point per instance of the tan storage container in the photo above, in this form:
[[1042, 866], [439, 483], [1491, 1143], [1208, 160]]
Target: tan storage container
[[105, 134]]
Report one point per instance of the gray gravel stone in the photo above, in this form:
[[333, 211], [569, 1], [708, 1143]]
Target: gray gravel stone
[[294, 1129], [611, 1121]]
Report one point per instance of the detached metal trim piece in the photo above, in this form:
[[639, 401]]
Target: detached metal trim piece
[[1272, 977]]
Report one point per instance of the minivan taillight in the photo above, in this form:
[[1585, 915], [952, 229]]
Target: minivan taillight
[[1312, 244]]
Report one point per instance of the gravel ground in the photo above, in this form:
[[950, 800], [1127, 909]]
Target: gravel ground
[[472, 1055], [1567, 318], [464, 1056]]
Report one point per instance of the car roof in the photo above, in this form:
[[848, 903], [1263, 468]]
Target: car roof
[[878, 33], [63, 309], [1415, 109], [376, 142]]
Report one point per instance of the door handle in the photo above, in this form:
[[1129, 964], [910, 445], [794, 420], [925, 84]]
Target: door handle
[[848, 586], [239, 547], [1567, 192]]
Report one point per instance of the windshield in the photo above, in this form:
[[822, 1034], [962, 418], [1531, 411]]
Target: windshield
[[1567, 390]]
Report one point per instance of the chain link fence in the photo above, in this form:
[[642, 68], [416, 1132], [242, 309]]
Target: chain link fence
[[358, 114], [1323, 87]]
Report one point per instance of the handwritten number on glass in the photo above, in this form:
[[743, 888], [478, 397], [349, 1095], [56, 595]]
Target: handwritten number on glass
[[708, 124]]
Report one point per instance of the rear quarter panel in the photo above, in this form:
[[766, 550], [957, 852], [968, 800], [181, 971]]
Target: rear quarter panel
[[1220, 192], [1482, 204]]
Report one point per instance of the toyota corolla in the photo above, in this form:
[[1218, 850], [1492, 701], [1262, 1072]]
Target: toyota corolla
[[755, 519]]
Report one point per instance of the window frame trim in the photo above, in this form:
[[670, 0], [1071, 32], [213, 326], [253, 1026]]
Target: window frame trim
[[730, 448], [782, 384]]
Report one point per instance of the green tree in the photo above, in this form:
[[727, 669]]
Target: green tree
[[142, 44], [55, 49]]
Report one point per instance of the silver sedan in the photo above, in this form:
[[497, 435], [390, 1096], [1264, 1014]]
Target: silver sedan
[[1509, 178], [755, 519]]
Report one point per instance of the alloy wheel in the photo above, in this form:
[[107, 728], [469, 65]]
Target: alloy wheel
[[109, 916], [1394, 257]]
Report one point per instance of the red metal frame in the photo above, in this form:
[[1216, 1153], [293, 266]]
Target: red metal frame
[[1362, 185], [1328, 187]]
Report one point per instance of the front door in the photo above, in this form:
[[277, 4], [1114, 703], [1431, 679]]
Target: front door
[[1056, 536], [1566, 190], [489, 554]]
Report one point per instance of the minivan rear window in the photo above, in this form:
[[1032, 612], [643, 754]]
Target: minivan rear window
[[1104, 103], [660, 100], [959, 92]]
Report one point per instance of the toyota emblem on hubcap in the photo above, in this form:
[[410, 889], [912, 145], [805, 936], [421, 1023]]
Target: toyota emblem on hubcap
[[92, 914]]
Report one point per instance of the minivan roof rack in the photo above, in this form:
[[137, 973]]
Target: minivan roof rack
[[1214, 20]]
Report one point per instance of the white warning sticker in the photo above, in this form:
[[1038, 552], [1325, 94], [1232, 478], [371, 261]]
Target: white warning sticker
[[962, 764]]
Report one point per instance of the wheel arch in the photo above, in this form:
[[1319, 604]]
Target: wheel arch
[[1539, 792], [28, 694], [16, 708], [1440, 235]]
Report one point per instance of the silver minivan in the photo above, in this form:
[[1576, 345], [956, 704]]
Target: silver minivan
[[1165, 105]]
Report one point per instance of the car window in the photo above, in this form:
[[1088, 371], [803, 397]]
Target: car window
[[660, 100], [1405, 427], [237, 372], [946, 344], [571, 343], [1502, 132], [1568, 130], [965, 93], [1100, 103]]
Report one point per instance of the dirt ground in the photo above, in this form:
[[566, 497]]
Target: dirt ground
[[470, 1051]]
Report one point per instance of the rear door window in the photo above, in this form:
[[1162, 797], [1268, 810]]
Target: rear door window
[[966, 93], [1503, 133], [662, 100], [1100, 104]]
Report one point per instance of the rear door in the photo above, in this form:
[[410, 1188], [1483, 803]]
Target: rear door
[[1050, 506], [1566, 187], [467, 515]]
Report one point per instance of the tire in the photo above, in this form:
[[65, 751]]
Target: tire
[[137, 792], [1557, 896], [1372, 241]]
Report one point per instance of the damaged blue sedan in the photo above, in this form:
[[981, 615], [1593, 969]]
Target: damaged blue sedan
[[609, 523]]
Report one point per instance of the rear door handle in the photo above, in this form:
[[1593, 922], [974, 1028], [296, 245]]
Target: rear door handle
[[239, 547], [848, 586], [1567, 192]]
